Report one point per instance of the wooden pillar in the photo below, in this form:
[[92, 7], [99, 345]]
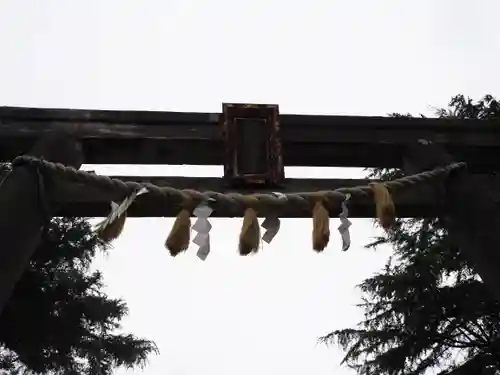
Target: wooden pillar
[[473, 219], [22, 215]]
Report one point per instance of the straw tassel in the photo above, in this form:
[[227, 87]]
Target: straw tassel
[[386, 212], [113, 230], [250, 233], [321, 226], [180, 235]]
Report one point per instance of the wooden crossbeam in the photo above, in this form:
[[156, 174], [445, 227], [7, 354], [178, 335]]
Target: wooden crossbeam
[[85, 201], [143, 137]]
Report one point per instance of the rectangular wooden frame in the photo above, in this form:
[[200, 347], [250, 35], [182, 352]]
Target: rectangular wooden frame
[[275, 173]]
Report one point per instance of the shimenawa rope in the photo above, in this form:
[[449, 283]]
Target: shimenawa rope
[[179, 238], [231, 199]]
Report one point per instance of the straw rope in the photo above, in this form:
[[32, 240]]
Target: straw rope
[[231, 199]]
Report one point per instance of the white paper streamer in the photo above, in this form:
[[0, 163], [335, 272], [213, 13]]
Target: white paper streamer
[[203, 227], [345, 224], [117, 210], [272, 226], [204, 249], [201, 238], [272, 223], [203, 211]]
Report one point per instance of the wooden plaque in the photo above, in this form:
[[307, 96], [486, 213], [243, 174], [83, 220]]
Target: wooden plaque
[[253, 145]]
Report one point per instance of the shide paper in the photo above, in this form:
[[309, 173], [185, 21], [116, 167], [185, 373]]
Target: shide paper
[[118, 210], [202, 226], [272, 223], [344, 226]]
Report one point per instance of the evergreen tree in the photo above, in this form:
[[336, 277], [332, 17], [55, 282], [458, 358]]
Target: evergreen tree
[[427, 309], [58, 320]]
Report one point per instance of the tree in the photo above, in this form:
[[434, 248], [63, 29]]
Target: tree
[[427, 309], [58, 320]]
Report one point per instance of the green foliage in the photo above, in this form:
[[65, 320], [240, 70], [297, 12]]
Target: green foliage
[[58, 320], [426, 309]]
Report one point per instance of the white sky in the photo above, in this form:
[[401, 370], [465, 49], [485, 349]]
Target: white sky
[[262, 314]]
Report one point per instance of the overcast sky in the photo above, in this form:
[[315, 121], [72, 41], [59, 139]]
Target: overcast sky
[[262, 314]]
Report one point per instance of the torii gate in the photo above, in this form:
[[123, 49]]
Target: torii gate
[[254, 143]]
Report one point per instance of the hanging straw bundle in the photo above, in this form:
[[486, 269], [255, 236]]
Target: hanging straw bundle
[[180, 235], [386, 212], [250, 230], [321, 226], [112, 230]]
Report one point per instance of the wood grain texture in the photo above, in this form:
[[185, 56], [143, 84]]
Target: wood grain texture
[[116, 137]]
